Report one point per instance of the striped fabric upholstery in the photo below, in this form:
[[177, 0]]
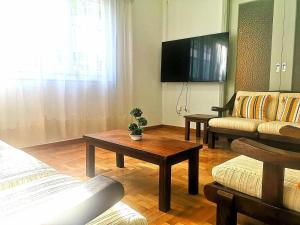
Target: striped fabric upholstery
[[291, 110], [252, 107]]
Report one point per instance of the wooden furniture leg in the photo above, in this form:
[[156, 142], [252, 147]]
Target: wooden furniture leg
[[194, 173], [198, 130], [205, 135], [187, 129], [90, 160], [164, 186], [211, 140], [226, 211], [120, 160]]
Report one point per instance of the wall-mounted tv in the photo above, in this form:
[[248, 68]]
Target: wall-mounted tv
[[197, 59]]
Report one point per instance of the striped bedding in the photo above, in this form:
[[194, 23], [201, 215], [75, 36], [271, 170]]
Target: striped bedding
[[32, 193]]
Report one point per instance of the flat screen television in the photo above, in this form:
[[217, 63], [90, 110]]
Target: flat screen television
[[197, 59]]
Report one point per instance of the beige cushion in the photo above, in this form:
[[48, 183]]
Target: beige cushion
[[245, 175], [236, 123], [281, 102], [273, 127], [272, 109], [119, 214]]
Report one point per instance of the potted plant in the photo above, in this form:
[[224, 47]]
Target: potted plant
[[136, 127]]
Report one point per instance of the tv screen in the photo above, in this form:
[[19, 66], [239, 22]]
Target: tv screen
[[198, 59]]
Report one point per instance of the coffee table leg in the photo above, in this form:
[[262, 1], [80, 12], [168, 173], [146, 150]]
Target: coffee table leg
[[194, 172], [164, 186], [120, 160], [90, 160], [187, 129]]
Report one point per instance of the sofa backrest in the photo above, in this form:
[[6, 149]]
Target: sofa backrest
[[272, 110], [281, 102]]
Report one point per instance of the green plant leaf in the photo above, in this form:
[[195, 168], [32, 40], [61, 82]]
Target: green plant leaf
[[136, 112], [142, 121], [132, 126]]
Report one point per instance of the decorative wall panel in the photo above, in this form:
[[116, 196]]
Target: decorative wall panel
[[296, 69], [254, 45]]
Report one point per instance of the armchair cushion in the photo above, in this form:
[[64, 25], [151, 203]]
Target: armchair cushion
[[244, 174], [236, 123], [119, 214], [273, 127], [272, 109]]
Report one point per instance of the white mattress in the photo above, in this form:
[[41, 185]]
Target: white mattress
[[244, 174]]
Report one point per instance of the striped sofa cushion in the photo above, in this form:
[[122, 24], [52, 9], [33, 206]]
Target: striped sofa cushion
[[291, 110], [252, 107]]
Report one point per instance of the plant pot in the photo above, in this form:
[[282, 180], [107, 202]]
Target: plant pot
[[136, 137]]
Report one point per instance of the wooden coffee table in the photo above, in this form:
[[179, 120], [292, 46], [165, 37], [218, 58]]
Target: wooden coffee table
[[164, 152]]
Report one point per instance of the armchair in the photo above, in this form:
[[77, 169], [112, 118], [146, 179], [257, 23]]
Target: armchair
[[270, 207]]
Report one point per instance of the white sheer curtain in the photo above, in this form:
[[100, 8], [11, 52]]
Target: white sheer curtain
[[65, 68]]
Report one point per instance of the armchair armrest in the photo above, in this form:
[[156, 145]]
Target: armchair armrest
[[227, 107], [267, 154], [290, 131], [105, 193]]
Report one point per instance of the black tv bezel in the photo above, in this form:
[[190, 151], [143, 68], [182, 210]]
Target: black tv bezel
[[191, 81]]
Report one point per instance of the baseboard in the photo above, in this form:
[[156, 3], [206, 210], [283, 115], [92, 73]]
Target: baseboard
[[54, 144]]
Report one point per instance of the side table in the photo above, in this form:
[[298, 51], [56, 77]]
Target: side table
[[198, 119]]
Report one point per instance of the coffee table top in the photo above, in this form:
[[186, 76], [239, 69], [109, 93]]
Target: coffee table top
[[160, 146], [200, 116]]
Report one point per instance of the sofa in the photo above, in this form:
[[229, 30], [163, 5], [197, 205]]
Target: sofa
[[265, 130], [32, 192], [263, 183]]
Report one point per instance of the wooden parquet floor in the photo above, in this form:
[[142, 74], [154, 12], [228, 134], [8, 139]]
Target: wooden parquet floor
[[140, 179]]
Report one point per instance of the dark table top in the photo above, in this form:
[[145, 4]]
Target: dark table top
[[155, 145]]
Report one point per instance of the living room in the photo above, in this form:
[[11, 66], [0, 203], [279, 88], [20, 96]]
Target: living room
[[150, 112]]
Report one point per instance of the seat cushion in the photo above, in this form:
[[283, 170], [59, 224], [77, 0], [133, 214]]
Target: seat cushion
[[272, 109], [273, 127], [236, 123], [244, 174], [119, 214]]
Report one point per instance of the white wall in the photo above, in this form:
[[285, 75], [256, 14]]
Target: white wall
[[188, 18], [147, 36]]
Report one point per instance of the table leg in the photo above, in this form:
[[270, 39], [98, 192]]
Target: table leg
[[205, 136], [194, 172], [187, 129], [120, 160], [198, 130], [90, 160], [164, 186]]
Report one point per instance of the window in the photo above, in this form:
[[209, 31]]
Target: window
[[56, 39]]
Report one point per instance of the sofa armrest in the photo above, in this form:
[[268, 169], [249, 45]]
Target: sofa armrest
[[267, 154], [105, 193], [227, 107]]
